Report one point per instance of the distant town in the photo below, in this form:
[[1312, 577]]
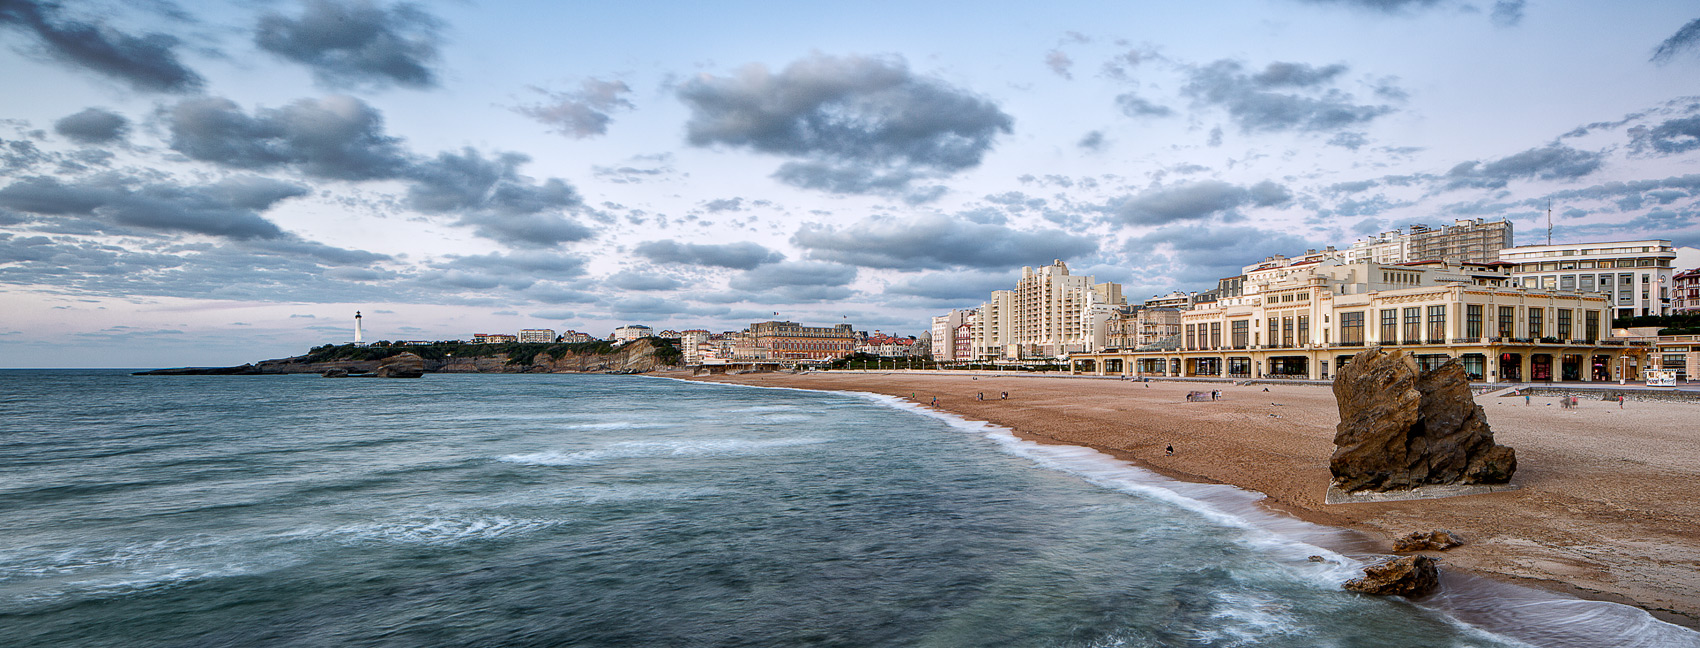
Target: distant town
[[1596, 311]]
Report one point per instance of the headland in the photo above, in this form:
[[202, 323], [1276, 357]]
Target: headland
[[1607, 504]]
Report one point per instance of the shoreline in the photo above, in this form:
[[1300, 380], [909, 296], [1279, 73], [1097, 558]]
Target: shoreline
[[1555, 533]]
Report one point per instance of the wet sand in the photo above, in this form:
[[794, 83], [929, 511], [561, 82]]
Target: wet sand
[[1608, 506]]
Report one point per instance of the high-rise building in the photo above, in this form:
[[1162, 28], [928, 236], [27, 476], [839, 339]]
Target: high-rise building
[[1050, 313], [945, 329], [1636, 275]]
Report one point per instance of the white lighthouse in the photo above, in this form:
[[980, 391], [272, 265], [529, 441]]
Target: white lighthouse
[[358, 334]]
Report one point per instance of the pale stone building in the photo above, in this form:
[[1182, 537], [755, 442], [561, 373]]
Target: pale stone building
[[1050, 313], [1304, 321]]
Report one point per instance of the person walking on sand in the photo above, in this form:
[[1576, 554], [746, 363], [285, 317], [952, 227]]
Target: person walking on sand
[[1525, 400], [1169, 452], [1005, 396], [1620, 401]]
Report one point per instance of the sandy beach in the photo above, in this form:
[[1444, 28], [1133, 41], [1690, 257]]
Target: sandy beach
[[1608, 504]]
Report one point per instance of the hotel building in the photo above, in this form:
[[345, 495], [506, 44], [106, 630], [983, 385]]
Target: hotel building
[[1464, 241], [1307, 320], [543, 336], [793, 341], [1635, 276]]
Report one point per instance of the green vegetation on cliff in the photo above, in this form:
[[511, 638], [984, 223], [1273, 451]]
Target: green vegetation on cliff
[[666, 351]]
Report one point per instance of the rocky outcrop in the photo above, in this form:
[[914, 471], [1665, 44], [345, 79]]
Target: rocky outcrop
[[638, 356], [335, 373], [406, 365], [1436, 540], [1407, 576], [1401, 429]]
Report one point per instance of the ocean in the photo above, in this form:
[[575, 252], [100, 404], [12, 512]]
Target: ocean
[[590, 510]]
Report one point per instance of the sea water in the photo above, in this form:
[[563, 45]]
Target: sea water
[[566, 510]]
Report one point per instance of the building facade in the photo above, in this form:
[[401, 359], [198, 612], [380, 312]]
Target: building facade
[[539, 336], [630, 332], [793, 341], [1309, 322], [1049, 314], [1685, 292], [494, 338], [1464, 241], [1634, 275]]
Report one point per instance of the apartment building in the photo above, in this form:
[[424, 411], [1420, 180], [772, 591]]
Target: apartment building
[[1635, 275], [1464, 241], [1049, 313], [1143, 327], [1306, 321], [630, 332], [946, 330], [537, 336], [1685, 292]]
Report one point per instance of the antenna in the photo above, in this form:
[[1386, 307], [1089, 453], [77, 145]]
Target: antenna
[[1549, 221]]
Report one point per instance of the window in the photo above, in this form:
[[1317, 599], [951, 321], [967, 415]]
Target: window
[[1473, 321], [1240, 330], [1191, 343], [1536, 315], [1585, 283], [1436, 324], [1413, 325], [1507, 321], [1389, 325], [1563, 325], [1274, 330], [1304, 330], [1287, 332], [1352, 328], [1215, 335]]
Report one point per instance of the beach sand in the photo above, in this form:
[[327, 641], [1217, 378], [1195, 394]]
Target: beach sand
[[1608, 506]]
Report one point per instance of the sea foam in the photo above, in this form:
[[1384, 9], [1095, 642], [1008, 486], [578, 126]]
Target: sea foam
[[651, 449]]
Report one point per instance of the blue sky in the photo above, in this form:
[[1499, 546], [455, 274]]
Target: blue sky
[[213, 183]]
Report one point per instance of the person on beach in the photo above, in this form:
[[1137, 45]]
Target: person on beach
[[1620, 401], [1169, 452], [1526, 400], [1005, 396], [979, 396], [935, 400]]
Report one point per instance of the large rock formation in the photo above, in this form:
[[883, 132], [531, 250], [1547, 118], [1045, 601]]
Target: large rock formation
[[1400, 430], [1408, 576], [406, 365]]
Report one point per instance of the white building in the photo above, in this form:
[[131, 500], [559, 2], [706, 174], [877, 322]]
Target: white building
[[538, 336], [1049, 314], [1464, 241], [693, 343], [631, 332], [1636, 275]]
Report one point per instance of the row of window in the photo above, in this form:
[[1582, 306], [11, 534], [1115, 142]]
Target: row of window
[[1408, 325]]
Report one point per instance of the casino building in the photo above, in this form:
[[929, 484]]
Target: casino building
[[1306, 320]]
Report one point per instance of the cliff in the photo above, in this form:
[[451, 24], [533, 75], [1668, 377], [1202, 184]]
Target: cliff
[[638, 356]]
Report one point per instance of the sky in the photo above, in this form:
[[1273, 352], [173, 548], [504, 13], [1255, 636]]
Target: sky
[[211, 183]]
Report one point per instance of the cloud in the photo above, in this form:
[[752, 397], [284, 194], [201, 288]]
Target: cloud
[[1134, 106], [1673, 136], [147, 62], [493, 198], [532, 263], [356, 42], [1281, 97], [1684, 39], [628, 280], [1059, 63], [742, 255], [582, 113], [337, 137], [1092, 141], [93, 126], [1198, 256], [1551, 162], [798, 280], [937, 242], [1348, 140], [1196, 200], [1507, 13], [1388, 6], [852, 124], [954, 286], [724, 204], [229, 208]]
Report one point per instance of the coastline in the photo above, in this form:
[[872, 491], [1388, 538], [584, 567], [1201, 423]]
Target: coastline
[[1606, 508]]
